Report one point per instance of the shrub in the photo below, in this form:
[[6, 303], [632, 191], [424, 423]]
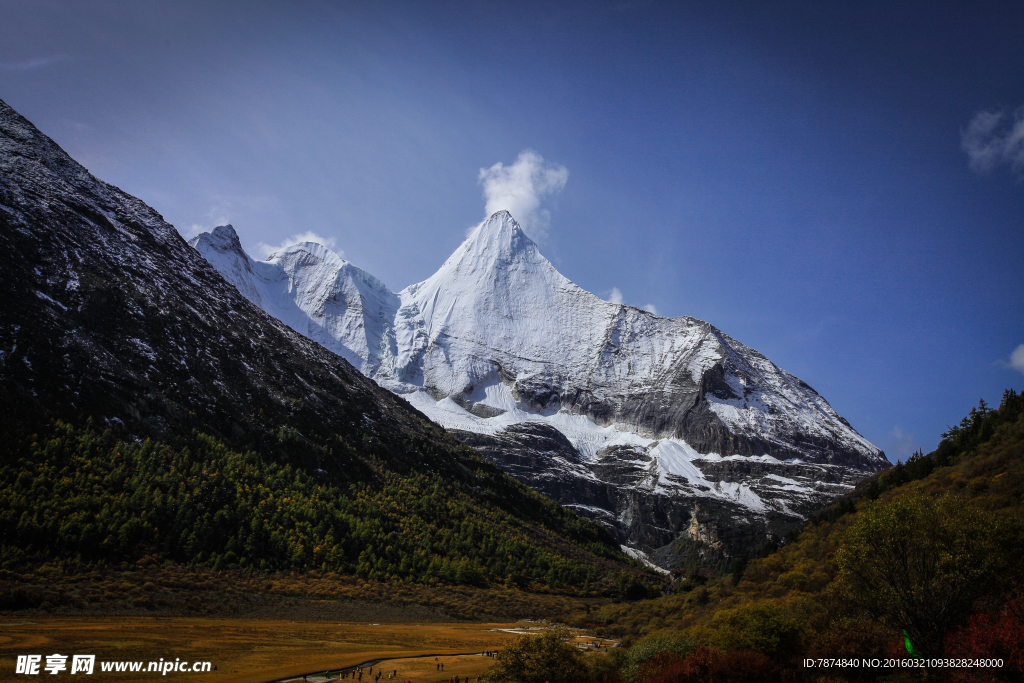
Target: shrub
[[763, 628], [649, 647], [745, 667], [991, 637]]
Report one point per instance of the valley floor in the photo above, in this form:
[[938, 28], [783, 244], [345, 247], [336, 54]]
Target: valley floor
[[170, 590], [255, 650]]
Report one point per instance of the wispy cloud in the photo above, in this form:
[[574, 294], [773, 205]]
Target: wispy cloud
[[615, 296], [520, 187], [191, 231], [1017, 359], [268, 250], [903, 444], [34, 63], [995, 138]]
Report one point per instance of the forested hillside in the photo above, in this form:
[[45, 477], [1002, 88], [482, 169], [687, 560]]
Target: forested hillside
[[86, 496], [922, 560]]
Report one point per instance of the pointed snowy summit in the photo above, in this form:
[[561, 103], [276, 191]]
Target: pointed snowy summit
[[500, 237], [223, 238]]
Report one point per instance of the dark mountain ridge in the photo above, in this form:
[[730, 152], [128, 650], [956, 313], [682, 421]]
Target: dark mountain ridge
[[109, 314]]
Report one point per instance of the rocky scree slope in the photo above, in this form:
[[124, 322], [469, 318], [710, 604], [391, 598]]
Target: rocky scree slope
[[665, 429]]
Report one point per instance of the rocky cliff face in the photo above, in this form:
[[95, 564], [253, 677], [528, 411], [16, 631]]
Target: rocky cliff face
[[728, 507], [665, 429]]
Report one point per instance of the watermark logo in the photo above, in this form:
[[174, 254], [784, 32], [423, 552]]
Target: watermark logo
[[34, 665], [27, 664]]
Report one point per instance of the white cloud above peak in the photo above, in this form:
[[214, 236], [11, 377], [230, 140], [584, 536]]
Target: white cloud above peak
[[520, 187], [615, 297]]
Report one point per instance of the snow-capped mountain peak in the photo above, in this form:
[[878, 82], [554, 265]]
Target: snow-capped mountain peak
[[596, 396], [496, 249], [495, 293], [312, 290], [499, 238]]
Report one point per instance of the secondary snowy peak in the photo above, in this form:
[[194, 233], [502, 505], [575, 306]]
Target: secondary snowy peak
[[223, 250], [312, 290]]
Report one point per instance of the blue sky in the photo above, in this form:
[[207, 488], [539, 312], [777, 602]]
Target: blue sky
[[837, 185]]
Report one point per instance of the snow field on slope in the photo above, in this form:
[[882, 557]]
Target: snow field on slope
[[671, 466], [642, 557]]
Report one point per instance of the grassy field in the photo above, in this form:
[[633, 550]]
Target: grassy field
[[255, 651]]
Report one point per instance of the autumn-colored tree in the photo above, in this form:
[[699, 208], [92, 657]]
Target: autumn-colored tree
[[651, 646], [855, 639], [607, 668], [745, 667], [763, 627], [699, 667], [917, 563], [546, 658], [663, 667]]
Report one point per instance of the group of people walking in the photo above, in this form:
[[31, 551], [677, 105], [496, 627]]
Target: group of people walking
[[357, 672]]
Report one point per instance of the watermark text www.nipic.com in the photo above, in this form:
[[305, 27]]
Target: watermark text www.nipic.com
[[33, 665]]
